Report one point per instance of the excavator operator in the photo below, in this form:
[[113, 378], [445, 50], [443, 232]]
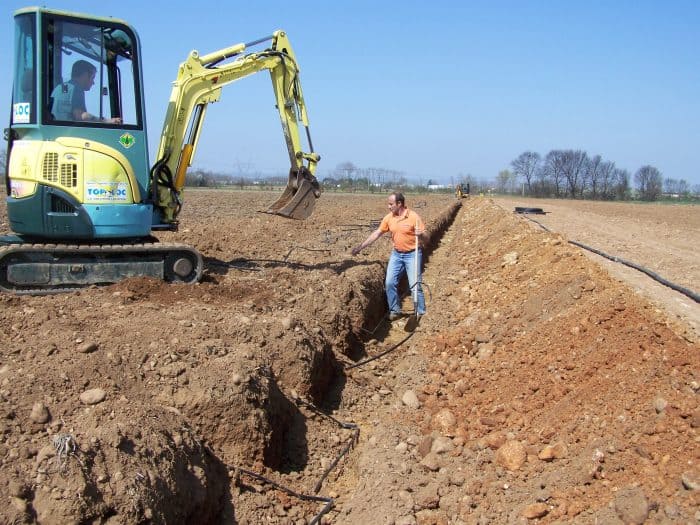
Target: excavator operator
[[69, 97]]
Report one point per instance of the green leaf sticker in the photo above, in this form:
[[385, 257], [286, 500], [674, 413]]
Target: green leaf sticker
[[127, 140]]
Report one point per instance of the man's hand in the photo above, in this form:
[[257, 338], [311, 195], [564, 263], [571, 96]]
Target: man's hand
[[369, 240]]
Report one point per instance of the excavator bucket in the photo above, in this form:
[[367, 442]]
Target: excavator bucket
[[299, 197]]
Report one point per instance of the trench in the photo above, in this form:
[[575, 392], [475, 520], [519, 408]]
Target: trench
[[293, 418]]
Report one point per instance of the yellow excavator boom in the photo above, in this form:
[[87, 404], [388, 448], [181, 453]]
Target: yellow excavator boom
[[199, 82]]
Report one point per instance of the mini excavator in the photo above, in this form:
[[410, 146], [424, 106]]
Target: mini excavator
[[83, 199], [462, 190]]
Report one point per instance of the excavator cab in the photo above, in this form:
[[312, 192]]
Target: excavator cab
[[77, 148]]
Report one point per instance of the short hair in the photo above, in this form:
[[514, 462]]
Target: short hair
[[398, 197], [80, 67]]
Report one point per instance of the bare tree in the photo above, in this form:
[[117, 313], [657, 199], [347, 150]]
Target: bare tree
[[606, 181], [572, 168], [621, 184], [503, 181], [670, 185], [649, 183], [676, 187], [540, 184], [526, 166], [592, 171], [553, 170]]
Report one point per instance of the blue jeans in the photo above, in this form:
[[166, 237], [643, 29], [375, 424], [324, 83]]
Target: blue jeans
[[398, 263]]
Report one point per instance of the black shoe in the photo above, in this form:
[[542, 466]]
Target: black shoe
[[393, 316]]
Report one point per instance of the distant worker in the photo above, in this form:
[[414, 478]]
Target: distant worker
[[405, 225], [69, 97]]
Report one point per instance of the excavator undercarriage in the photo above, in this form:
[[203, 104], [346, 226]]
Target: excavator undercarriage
[[39, 269]]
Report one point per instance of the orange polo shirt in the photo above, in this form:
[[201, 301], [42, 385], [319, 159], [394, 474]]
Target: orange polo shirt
[[403, 229]]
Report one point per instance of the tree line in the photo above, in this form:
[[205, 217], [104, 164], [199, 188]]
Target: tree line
[[575, 174], [561, 173], [348, 177]]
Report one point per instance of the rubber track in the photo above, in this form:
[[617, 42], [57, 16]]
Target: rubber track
[[86, 250]]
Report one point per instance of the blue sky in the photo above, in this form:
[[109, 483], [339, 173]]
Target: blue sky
[[435, 89]]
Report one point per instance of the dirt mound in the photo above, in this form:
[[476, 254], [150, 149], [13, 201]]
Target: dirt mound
[[543, 390]]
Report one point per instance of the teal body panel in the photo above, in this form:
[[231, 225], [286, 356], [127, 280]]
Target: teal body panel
[[120, 221], [36, 215], [136, 154], [51, 213]]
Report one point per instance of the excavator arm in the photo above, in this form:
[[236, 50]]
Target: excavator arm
[[199, 82]]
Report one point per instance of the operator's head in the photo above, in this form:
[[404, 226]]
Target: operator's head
[[83, 73]]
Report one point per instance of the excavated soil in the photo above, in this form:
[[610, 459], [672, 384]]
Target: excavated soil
[[538, 388]]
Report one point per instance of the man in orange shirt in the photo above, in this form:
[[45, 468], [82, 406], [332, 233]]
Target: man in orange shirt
[[404, 226]]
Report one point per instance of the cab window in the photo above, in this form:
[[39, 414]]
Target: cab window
[[90, 74], [23, 91]]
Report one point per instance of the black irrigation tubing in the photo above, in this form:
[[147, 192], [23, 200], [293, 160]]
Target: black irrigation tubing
[[307, 497], [685, 291], [381, 354], [286, 257], [234, 266], [351, 442]]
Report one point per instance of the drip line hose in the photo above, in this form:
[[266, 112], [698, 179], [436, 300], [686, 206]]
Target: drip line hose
[[307, 497], [329, 502], [381, 354], [286, 257], [685, 291], [346, 449]]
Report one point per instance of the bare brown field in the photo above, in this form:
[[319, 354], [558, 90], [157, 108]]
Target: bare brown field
[[663, 238], [538, 388]]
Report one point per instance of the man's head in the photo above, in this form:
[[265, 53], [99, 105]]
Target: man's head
[[83, 74], [396, 202]]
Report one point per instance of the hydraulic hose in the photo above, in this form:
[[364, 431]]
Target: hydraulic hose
[[381, 354]]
